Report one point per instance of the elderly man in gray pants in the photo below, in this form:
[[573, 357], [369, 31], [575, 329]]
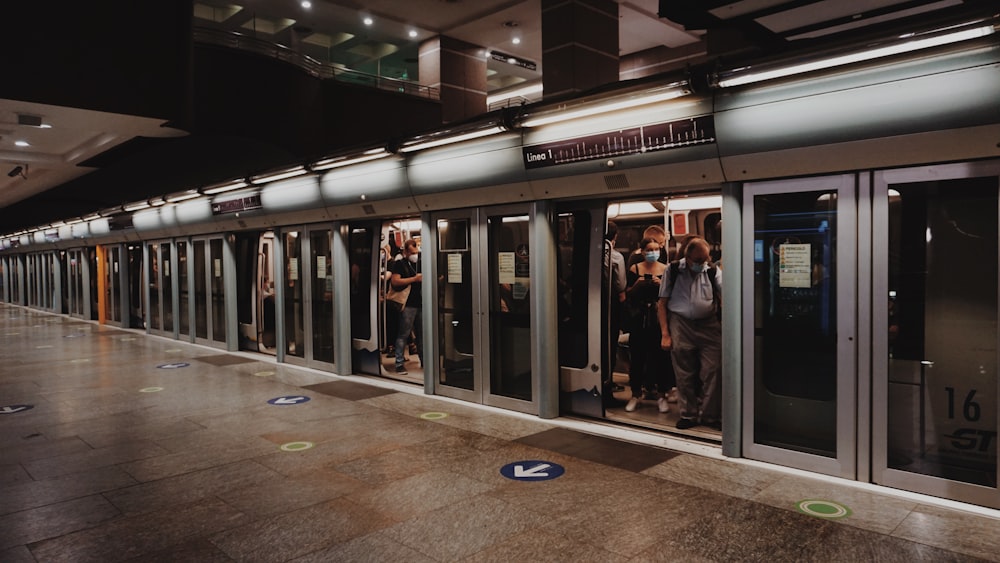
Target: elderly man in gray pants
[[690, 297]]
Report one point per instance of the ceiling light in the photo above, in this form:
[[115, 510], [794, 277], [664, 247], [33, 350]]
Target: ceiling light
[[413, 33], [660, 94], [516, 40], [136, 206], [450, 138], [902, 44], [275, 176], [227, 187], [347, 160], [695, 202], [307, 4], [182, 196], [22, 143], [368, 21], [45, 126]]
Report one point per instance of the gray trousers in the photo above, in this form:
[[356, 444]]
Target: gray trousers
[[697, 355]]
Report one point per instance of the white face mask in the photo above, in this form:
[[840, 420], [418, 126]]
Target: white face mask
[[414, 257], [696, 268]]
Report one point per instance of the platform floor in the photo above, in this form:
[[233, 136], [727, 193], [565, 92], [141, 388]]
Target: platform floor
[[121, 457]]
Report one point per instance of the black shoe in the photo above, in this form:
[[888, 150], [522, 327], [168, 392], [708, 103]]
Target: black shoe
[[400, 370], [685, 423]]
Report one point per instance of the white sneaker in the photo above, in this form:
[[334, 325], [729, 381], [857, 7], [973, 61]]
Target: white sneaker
[[662, 404], [632, 404]]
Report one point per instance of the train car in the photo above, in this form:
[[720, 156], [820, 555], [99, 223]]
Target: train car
[[850, 197]]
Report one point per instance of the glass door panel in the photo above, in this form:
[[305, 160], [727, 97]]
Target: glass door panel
[[935, 332], [294, 312], [510, 308], [153, 279], [167, 287], [799, 314], [200, 290], [483, 308], [367, 298], [320, 251], [184, 297], [456, 331], [218, 289]]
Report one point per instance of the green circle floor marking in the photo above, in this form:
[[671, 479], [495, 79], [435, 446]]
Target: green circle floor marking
[[823, 508], [296, 446], [265, 373], [43, 346], [174, 351], [127, 339], [79, 361], [150, 389], [433, 415]]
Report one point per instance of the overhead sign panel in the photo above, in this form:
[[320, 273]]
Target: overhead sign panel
[[623, 142]]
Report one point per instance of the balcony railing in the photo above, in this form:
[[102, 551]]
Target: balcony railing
[[314, 67]]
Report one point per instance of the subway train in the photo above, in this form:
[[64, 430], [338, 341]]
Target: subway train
[[850, 196]]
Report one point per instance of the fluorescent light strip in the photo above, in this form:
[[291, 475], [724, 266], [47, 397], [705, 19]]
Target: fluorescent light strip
[[452, 139], [279, 175], [136, 206], [174, 198], [329, 163], [519, 93], [224, 188], [877, 53], [605, 108]]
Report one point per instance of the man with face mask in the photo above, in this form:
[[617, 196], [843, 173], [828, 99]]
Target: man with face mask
[[690, 329], [406, 273]]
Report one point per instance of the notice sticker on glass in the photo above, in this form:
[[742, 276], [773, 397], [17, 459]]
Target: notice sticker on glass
[[520, 289], [217, 266], [794, 267], [116, 267], [293, 269], [455, 268], [506, 267], [320, 267], [166, 268]]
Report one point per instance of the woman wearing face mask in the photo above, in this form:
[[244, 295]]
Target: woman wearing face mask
[[650, 366]]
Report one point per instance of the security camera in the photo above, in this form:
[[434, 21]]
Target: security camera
[[16, 171]]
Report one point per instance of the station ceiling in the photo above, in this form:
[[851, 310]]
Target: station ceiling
[[79, 161]]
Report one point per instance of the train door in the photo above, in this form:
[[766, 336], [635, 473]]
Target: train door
[[54, 266], [161, 283], [255, 291], [307, 295], [799, 321], [373, 249], [184, 303], [136, 295], [934, 330], [209, 291], [368, 259], [115, 279], [79, 283], [482, 311]]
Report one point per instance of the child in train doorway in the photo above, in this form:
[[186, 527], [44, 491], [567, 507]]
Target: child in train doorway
[[406, 273]]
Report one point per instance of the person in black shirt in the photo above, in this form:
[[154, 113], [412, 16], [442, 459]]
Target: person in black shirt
[[406, 273]]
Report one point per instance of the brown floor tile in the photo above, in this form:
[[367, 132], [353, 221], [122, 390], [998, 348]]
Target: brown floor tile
[[54, 520], [616, 453], [374, 548], [349, 390]]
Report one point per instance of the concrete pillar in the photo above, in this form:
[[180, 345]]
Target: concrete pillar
[[579, 45], [458, 70]]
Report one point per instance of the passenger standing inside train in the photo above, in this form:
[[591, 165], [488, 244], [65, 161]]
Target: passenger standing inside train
[[690, 297], [406, 273], [646, 368]]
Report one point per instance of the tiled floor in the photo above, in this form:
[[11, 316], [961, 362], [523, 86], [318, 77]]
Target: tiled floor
[[119, 459]]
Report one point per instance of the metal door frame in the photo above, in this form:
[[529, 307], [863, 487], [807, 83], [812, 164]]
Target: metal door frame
[[845, 463], [881, 472], [540, 261]]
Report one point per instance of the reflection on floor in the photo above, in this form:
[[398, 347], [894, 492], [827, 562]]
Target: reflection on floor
[[648, 416], [118, 446]]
